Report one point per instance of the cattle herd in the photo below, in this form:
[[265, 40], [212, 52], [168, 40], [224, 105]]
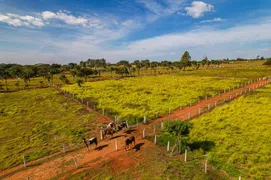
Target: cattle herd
[[110, 129]]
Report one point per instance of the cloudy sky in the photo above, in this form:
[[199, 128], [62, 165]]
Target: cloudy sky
[[62, 31]]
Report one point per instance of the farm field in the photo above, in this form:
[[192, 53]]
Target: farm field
[[241, 133], [132, 99], [34, 123]]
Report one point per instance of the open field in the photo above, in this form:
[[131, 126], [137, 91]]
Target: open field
[[241, 133], [35, 123], [132, 99]]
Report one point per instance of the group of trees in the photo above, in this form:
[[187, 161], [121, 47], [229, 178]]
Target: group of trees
[[27, 72], [94, 67]]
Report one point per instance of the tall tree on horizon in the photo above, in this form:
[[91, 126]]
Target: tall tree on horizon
[[186, 59]]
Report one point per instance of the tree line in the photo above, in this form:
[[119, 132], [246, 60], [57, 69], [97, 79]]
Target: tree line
[[94, 67]]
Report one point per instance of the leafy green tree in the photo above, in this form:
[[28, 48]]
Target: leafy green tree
[[181, 131], [16, 71], [26, 74], [64, 79], [268, 62], [4, 74], [186, 59]]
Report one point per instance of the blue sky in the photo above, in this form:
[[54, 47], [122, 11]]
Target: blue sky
[[62, 31]]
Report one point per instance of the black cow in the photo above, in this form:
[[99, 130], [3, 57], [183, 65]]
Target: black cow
[[128, 142], [90, 141]]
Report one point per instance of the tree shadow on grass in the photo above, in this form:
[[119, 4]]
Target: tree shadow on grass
[[138, 146], [204, 145]]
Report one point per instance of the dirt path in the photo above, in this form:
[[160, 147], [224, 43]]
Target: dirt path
[[106, 149]]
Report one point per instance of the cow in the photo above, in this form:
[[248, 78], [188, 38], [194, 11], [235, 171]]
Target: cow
[[108, 131], [122, 125], [111, 125], [90, 141], [128, 142]]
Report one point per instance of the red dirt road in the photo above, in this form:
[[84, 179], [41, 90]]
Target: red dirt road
[[107, 150]]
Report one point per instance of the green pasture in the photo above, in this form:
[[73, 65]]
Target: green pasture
[[241, 133], [35, 123], [133, 98]]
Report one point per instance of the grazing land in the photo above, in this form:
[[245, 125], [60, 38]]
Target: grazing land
[[241, 133], [132, 99], [34, 123]]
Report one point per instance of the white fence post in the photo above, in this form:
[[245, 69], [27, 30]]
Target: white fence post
[[185, 155], [116, 145], [63, 146], [199, 111], [169, 111], [180, 106], [239, 177], [24, 161], [101, 134], [168, 146], [127, 124], [75, 162], [215, 103], [145, 120], [155, 139], [144, 133], [103, 111], [205, 166]]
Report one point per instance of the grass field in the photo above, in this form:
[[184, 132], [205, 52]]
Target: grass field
[[34, 123], [241, 133], [135, 98]]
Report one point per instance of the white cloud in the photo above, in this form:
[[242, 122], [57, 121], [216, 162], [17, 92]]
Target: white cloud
[[17, 20], [198, 9], [127, 23], [180, 13], [70, 19], [160, 9], [212, 20]]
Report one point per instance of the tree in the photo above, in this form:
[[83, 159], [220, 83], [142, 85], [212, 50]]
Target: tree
[[64, 79], [268, 62], [4, 74], [180, 130], [186, 59], [26, 74]]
